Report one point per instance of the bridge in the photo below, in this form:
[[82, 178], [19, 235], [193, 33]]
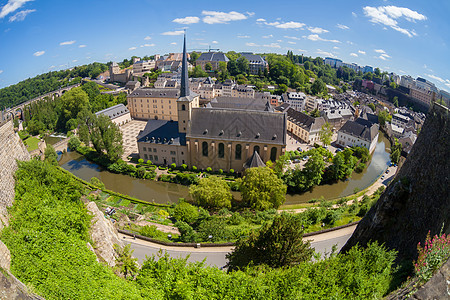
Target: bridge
[[10, 113]]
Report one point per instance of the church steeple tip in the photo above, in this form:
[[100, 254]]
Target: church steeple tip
[[184, 72]]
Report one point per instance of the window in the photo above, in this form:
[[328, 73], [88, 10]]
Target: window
[[256, 149], [205, 149], [174, 160], [221, 150], [145, 156], [156, 157], [183, 107], [238, 153], [145, 149], [273, 154], [154, 150], [172, 153], [149, 149]]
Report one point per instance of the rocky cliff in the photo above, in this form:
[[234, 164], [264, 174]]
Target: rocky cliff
[[418, 199]]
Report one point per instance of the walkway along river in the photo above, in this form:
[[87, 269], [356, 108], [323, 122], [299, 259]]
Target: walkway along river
[[162, 192]]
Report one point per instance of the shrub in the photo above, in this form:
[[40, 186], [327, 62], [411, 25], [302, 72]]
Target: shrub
[[211, 192], [231, 171], [74, 143], [188, 234], [97, 182], [220, 171], [140, 161], [185, 212], [435, 252], [149, 162], [186, 179], [209, 169], [360, 167], [216, 228], [152, 232], [184, 166], [194, 168]]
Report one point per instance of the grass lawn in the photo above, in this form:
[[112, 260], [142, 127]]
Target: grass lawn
[[31, 143]]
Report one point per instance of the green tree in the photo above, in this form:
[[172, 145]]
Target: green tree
[[315, 113], [383, 117], [314, 168], [211, 192], [372, 107], [277, 244], [395, 101], [261, 189], [106, 136], [185, 212], [326, 134], [396, 152], [50, 155], [193, 57], [74, 143], [242, 65], [73, 102], [208, 66], [318, 87], [126, 264]]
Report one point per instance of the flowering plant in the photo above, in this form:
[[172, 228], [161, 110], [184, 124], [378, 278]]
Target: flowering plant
[[435, 252]]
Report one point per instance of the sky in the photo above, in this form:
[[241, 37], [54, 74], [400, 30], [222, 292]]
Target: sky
[[405, 37]]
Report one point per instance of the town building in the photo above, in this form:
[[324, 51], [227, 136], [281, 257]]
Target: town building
[[359, 133], [296, 100], [214, 58], [303, 126], [143, 66], [118, 114], [120, 75], [223, 135], [425, 97], [256, 63]]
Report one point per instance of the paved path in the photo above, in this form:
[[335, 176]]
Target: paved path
[[215, 256]]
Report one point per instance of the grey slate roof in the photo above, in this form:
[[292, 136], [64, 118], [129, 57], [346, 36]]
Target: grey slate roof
[[162, 132], [283, 107], [255, 161], [155, 93], [360, 128], [241, 103], [305, 121], [238, 125], [253, 58], [114, 111], [213, 56]]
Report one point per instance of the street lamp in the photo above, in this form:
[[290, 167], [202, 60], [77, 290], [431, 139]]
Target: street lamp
[[210, 238], [169, 236]]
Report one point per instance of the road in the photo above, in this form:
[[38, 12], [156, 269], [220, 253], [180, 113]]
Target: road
[[215, 256]]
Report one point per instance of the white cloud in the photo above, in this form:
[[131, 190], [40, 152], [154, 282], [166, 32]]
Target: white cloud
[[301, 50], [287, 25], [354, 54], [385, 55], [382, 57], [243, 36], [344, 27], [336, 47], [11, 7], [267, 36], [292, 43], [174, 43], [317, 30], [187, 20], [75, 60], [176, 32], [261, 20], [21, 15], [251, 45], [441, 80], [379, 51], [214, 42], [354, 14], [217, 17], [272, 45], [325, 53], [316, 38], [132, 48], [292, 37], [52, 67], [388, 16], [38, 53], [146, 45], [67, 43], [147, 38], [82, 46], [362, 52], [1, 71]]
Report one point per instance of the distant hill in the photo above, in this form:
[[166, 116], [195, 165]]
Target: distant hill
[[44, 83]]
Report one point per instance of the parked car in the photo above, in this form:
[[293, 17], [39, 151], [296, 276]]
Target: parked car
[[299, 149], [296, 161]]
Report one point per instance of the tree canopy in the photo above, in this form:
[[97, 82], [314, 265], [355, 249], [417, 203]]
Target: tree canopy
[[211, 192]]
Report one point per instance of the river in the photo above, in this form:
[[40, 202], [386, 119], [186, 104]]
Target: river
[[163, 192]]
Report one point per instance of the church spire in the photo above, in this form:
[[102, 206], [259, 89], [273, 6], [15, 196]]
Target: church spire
[[184, 72]]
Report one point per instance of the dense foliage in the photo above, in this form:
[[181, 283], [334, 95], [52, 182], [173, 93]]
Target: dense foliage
[[434, 252], [47, 237], [45, 83], [211, 192], [276, 244]]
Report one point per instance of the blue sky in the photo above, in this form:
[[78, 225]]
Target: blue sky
[[406, 37]]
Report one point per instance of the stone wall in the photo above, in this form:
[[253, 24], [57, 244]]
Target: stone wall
[[11, 149], [418, 199]]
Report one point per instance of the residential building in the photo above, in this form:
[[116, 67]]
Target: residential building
[[407, 81], [296, 100], [402, 121], [337, 117], [118, 114], [256, 63], [422, 96], [242, 91], [303, 126], [360, 133], [143, 66], [227, 88], [214, 58], [132, 85]]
